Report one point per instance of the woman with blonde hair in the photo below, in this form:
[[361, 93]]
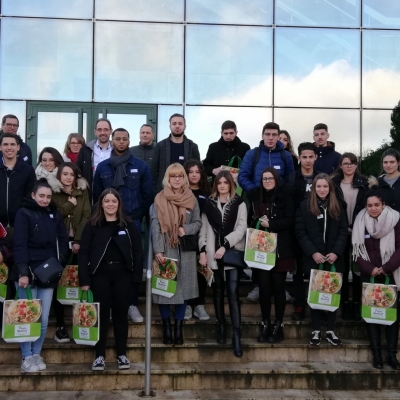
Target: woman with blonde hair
[[73, 144], [175, 213]]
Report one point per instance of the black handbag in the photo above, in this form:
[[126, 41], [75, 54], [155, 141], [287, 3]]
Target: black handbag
[[189, 242], [234, 258]]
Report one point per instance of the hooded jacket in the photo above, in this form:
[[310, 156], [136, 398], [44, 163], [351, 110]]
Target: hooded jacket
[[268, 158], [24, 153], [327, 158], [220, 153]]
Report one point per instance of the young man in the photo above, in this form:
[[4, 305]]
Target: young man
[[144, 151], [269, 153], [221, 152], [177, 148], [327, 158], [10, 124], [95, 151], [303, 179]]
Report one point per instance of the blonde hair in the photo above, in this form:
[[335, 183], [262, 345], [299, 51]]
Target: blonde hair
[[175, 168]]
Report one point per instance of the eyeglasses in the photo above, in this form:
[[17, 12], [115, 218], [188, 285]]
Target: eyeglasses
[[176, 177], [8, 125], [268, 179], [271, 134], [75, 144], [348, 165], [105, 130]]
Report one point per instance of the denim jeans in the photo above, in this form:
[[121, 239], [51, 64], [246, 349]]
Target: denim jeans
[[165, 311], [46, 295]]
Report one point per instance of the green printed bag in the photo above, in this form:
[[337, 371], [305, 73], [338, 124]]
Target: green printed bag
[[164, 277], [324, 289], [22, 319], [379, 302], [232, 170], [68, 290], [86, 320], [3, 281]]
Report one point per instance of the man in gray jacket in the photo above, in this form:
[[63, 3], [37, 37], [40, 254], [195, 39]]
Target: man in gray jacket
[[177, 148], [144, 151]]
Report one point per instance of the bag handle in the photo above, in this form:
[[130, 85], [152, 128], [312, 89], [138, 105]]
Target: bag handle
[[28, 294], [372, 280], [258, 224], [321, 267], [71, 258], [89, 296], [230, 163]]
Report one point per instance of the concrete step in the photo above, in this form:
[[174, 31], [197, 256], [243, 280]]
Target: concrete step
[[203, 350], [198, 375]]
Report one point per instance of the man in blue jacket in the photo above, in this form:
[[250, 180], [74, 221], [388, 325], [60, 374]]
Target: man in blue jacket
[[327, 158], [270, 153]]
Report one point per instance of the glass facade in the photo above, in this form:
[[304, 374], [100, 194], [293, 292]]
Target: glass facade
[[296, 62]]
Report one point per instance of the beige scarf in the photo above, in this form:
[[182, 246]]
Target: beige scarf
[[171, 210]]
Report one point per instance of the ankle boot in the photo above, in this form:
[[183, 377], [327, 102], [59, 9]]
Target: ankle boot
[[266, 329], [221, 332], [346, 311], [392, 333], [374, 335], [237, 346], [178, 337], [277, 334], [356, 312], [167, 331]]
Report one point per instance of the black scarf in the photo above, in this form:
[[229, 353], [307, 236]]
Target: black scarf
[[119, 165]]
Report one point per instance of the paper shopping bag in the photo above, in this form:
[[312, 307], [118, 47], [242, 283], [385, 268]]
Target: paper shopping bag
[[68, 290], [163, 281]]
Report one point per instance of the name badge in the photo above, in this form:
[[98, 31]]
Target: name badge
[[26, 158], [201, 197], [367, 236], [121, 233], [134, 170], [51, 215], [320, 216], [181, 157], [277, 166]]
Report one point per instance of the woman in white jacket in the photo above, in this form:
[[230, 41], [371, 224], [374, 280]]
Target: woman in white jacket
[[224, 224]]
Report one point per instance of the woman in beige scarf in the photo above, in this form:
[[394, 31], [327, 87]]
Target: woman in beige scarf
[[376, 248], [175, 214]]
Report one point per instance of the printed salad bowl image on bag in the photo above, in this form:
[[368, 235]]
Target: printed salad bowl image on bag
[[3, 281], [68, 290], [164, 277]]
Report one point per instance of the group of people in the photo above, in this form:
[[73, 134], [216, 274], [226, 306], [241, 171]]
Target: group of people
[[91, 204]]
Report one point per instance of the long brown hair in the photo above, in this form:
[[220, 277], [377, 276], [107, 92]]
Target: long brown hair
[[98, 217], [75, 170], [228, 176], [203, 183], [333, 204]]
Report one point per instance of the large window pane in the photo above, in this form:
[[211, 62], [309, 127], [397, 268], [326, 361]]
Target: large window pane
[[203, 124], [139, 10], [164, 114], [228, 65], [381, 14], [381, 68], [248, 12], [17, 108], [343, 126], [137, 62], [45, 59], [317, 67], [337, 13], [376, 126], [53, 8]]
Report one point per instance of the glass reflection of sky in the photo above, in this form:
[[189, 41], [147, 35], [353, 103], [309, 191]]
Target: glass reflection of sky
[[381, 13]]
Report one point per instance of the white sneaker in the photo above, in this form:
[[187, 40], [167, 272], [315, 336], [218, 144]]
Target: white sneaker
[[201, 313], [28, 364], [254, 295], [288, 296], [188, 313], [134, 314], [39, 362]]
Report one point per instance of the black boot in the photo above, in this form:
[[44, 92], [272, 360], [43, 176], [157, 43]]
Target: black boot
[[346, 311], [234, 310], [374, 335], [356, 311], [277, 334], [392, 334], [237, 346], [167, 331], [221, 332], [178, 337], [266, 329], [218, 299]]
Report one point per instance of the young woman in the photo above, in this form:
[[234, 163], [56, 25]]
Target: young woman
[[274, 204], [350, 187], [198, 184], [390, 182], [73, 202], [376, 248], [224, 225], [285, 138], [73, 144], [175, 213], [38, 231], [110, 258], [48, 162], [322, 230]]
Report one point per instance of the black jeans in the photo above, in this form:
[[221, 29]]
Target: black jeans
[[316, 319], [58, 310], [272, 283], [356, 284], [111, 287], [202, 284]]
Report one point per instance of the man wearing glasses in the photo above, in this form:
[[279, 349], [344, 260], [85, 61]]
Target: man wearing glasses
[[327, 158], [10, 124], [269, 153], [95, 151]]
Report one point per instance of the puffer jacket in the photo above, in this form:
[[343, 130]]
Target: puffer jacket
[[327, 158]]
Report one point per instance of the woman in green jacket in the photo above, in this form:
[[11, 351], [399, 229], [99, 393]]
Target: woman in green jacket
[[72, 200]]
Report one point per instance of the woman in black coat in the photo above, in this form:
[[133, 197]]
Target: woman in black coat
[[110, 259], [390, 182], [321, 230], [274, 204]]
